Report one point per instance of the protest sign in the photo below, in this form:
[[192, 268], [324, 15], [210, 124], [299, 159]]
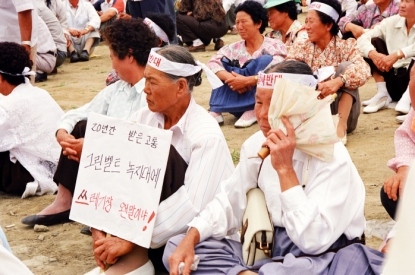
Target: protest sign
[[120, 177]]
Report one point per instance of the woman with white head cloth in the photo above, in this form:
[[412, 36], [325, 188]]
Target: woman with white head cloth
[[316, 206], [324, 48], [198, 145]]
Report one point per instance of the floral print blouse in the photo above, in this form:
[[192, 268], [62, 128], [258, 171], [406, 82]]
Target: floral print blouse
[[369, 15], [336, 52], [296, 32], [238, 51]]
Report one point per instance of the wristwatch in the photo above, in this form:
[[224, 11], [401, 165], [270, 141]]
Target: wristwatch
[[86, 28], [343, 79]]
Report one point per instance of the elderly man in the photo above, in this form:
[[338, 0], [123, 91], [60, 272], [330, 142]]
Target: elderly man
[[119, 100], [108, 11]]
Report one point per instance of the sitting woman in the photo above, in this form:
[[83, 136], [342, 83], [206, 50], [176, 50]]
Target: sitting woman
[[324, 48], [366, 17], [237, 65], [198, 21], [28, 117], [199, 160], [393, 187], [316, 207], [282, 17], [83, 25], [389, 47]]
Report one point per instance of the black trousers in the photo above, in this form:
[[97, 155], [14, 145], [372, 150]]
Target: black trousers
[[13, 176], [191, 29], [396, 79]]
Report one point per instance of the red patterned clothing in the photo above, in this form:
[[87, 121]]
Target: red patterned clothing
[[336, 52]]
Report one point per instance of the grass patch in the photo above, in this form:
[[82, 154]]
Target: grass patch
[[235, 156]]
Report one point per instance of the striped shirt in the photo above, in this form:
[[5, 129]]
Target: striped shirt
[[200, 142]]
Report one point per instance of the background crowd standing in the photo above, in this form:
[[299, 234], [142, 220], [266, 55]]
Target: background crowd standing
[[341, 45]]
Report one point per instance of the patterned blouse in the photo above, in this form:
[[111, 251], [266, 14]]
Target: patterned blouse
[[337, 51], [404, 144], [296, 32], [369, 15], [238, 51], [203, 9]]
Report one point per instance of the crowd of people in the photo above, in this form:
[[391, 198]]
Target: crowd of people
[[316, 205]]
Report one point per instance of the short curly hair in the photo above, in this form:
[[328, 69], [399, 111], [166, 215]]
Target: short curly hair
[[327, 20], [256, 11], [131, 37], [13, 59]]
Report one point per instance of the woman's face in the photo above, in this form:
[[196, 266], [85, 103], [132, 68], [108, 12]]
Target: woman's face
[[246, 26], [407, 9], [381, 2], [161, 91], [315, 29], [262, 102], [276, 19]]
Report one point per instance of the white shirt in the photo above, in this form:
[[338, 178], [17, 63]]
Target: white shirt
[[9, 24], [82, 16], [58, 8], [330, 205], [393, 31], [11, 264], [45, 43], [200, 142], [28, 118], [119, 100]]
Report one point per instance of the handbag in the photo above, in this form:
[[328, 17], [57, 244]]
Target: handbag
[[257, 233]]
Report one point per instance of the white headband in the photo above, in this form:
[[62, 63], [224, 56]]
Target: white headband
[[157, 30], [181, 69], [26, 72], [268, 81], [324, 8]]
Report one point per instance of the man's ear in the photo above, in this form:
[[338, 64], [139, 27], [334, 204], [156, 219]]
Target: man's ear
[[182, 87]]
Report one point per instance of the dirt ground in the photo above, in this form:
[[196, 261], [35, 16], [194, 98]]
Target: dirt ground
[[63, 250]]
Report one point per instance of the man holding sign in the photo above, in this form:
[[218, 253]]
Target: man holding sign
[[120, 100], [197, 141]]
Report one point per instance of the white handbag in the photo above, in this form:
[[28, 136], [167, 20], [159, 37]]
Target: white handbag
[[257, 229]]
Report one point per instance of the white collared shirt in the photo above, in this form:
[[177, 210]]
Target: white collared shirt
[[82, 16], [199, 140], [393, 31], [27, 130], [119, 100], [330, 205]]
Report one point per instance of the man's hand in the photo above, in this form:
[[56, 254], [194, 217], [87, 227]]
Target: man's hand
[[376, 58], [124, 16], [96, 236], [108, 250], [184, 253], [74, 33], [394, 185], [388, 60], [73, 148]]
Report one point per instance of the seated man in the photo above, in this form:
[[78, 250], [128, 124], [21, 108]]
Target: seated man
[[316, 207], [404, 154], [108, 11], [121, 99], [46, 52]]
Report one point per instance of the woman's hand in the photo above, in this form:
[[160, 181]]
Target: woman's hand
[[108, 250], [394, 185], [184, 253], [329, 87], [239, 83]]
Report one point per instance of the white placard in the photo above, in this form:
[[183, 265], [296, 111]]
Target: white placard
[[120, 177]]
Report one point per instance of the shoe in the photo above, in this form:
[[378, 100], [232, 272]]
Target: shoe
[[52, 219], [218, 117], [233, 31], [179, 40], [200, 48], [401, 106], [84, 56], [401, 119], [86, 231], [219, 44], [375, 106], [41, 77], [74, 57], [344, 139], [247, 119]]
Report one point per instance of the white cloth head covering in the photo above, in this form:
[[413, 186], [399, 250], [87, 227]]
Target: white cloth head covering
[[326, 9], [26, 72], [268, 81], [181, 69], [156, 29]]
